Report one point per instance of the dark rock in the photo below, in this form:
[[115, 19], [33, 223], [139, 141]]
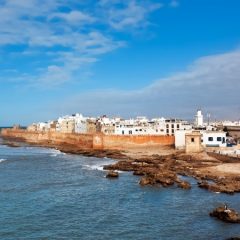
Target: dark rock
[[112, 174], [229, 188], [184, 185], [146, 181], [226, 214], [11, 144], [138, 173]]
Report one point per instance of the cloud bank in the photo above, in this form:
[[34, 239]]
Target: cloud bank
[[211, 83], [66, 35]]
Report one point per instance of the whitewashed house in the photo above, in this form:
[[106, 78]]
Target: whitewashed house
[[156, 126], [42, 126], [66, 124], [80, 124], [214, 139], [208, 138]]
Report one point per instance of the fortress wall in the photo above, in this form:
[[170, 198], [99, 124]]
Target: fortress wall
[[134, 141], [88, 141], [79, 140]]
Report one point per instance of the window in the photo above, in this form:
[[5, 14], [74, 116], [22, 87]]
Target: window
[[167, 130], [167, 126], [192, 139], [172, 130], [172, 125], [130, 132], [177, 125], [219, 139], [210, 139], [122, 132]]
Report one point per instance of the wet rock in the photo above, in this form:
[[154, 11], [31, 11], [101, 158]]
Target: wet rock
[[203, 184], [228, 188], [11, 144], [122, 166], [226, 214], [138, 173], [184, 185], [112, 174], [146, 181]]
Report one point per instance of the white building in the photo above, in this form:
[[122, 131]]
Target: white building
[[80, 124], [199, 119], [214, 139], [42, 126], [157, 126], [208, 139], [231, 123], [180, 138], [66, 124]]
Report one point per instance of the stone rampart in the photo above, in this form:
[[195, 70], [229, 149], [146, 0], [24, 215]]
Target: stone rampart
[[135, 141], [81, 141], [89, 141]]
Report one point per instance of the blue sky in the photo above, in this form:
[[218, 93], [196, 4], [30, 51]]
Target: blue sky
[[119, 57]]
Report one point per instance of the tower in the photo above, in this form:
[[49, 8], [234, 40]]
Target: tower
[[199, 118]]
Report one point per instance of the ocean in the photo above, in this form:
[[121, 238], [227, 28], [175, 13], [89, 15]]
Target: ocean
[[46, 194]]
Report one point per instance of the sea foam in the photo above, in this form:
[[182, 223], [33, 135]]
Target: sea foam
[[98, 165]]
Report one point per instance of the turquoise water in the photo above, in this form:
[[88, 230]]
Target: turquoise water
[[45, 194]]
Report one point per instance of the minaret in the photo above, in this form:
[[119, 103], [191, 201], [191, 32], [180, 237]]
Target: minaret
[[199, 118]]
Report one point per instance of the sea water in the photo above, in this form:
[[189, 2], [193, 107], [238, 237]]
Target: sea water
[[46, 194]]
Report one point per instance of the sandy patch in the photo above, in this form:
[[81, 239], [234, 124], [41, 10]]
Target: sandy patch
[[149, 151], [225, 169]]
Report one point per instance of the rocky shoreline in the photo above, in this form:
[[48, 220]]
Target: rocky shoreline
[[164, 171], [158, 169]]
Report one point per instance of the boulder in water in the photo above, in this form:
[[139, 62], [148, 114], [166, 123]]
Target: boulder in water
[[112, 174], [184, 185], [226, 214]]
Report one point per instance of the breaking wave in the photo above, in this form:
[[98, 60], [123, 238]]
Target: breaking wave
[[98, 166]]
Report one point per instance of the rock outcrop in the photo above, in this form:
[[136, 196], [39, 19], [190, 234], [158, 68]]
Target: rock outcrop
[[226, 214], [184, 185], [112, 174]]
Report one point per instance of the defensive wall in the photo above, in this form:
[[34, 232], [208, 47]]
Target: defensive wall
[[89, 141]]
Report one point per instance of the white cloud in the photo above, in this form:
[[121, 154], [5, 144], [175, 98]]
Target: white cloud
[[74, 17], [123, 15], [211, 82], [39, 24]]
